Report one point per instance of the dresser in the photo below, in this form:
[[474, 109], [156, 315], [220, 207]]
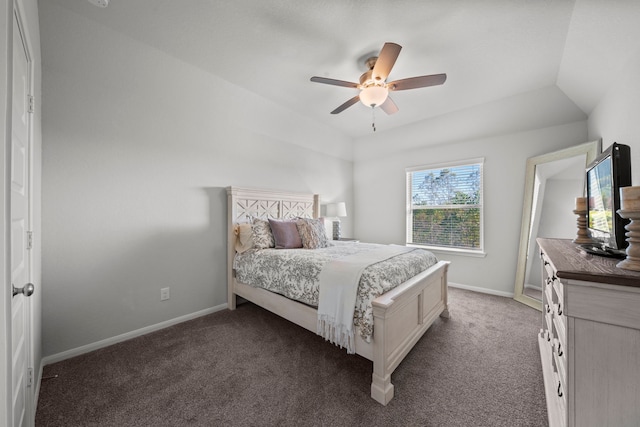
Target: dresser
[[590, 338]]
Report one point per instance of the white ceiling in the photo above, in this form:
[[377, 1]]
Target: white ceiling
[[489, 49]]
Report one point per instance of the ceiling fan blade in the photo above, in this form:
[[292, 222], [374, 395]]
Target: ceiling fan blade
[[386, 58], [333, 82], [389, 106], [346, 105], [416, 82]]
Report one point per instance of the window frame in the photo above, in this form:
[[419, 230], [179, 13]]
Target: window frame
[[479, 252]]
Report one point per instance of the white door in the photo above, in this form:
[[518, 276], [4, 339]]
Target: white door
[[20, 258]]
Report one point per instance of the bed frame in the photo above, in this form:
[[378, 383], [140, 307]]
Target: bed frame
[[401, 316]]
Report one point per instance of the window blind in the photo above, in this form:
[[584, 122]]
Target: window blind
[[445, 206]]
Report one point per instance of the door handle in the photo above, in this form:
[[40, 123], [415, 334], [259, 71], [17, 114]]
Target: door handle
[[27, 290]]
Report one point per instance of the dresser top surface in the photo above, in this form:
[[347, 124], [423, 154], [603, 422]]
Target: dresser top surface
[[570, 261]]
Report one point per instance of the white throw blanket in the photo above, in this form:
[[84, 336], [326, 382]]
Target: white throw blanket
[[338, 283]]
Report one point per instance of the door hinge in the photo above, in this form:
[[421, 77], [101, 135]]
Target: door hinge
[[29, 240], [32, 103], [29, 377]]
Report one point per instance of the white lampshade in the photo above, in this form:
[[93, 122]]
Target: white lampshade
[[373, 96], [336, 209]]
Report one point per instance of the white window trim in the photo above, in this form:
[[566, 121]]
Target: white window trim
[[476, 253], [459, 251]]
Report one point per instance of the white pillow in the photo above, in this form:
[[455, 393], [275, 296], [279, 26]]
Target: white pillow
[[244, 241]]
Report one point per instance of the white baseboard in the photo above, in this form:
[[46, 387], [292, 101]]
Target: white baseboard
[[481, 290], [535, 287], [36, 392], [48, 360]]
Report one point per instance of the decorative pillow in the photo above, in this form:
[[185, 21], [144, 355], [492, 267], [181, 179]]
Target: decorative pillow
[[261, 234], [244, 241], [312, 233], [285, 234]]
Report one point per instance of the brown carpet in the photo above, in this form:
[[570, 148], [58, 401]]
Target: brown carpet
[[249, 367]]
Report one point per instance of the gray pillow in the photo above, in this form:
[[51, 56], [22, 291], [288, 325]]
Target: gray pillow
[[285, 233], [312, 233]]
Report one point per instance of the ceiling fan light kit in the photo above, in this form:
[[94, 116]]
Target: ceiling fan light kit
[[374, 90], [373, 96]]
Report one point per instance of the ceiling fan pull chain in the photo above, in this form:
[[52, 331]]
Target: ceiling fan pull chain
[[373, 117]]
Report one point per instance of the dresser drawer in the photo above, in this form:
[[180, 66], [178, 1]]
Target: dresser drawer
[[548, 295], [554, 391], [560, 361], [558, 289], [548, 324], [560, 332], [547, 265], [547, 308], [560, 391]]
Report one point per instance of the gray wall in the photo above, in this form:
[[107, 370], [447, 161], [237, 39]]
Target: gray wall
[[615, 118], [139, 149], [557, 218]]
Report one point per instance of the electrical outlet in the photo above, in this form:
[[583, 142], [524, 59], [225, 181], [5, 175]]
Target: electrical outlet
[[164, 294]]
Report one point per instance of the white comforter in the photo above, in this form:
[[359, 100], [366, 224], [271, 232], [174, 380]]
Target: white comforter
[[294, 273]]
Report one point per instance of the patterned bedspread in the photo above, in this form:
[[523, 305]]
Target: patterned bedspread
[[294, 274]]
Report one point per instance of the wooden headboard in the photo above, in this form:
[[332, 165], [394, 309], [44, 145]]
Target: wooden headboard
[[244, 203]]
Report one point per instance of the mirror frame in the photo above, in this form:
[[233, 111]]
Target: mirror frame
[[591, 149]]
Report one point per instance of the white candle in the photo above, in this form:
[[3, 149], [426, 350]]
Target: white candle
[[630, 198], [581, 203]]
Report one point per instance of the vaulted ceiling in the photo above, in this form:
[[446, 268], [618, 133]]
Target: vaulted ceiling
[[489, 50]]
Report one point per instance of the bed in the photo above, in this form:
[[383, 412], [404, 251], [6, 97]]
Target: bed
[[400, 316]]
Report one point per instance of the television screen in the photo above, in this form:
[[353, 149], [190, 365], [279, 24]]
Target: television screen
[[600, 197]]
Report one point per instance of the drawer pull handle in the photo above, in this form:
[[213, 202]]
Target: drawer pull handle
[[548, 308], [560, 309], [560, 352], [559, 390]]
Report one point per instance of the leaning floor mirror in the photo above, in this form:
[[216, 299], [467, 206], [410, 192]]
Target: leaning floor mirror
[[552, 183]]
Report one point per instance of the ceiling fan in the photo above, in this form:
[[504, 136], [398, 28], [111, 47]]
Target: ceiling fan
[[374, 91]]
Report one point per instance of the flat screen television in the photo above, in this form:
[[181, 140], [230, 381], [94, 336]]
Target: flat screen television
[[610, 171]]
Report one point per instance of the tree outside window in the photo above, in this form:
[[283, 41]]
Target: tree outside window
[[445, 206]]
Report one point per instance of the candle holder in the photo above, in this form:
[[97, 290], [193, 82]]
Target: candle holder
[[581, 211], [630, 209]]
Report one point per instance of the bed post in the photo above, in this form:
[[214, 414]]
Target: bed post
[[381, 387], [445, 295], [316, 206], [231, 238], [401, 316]]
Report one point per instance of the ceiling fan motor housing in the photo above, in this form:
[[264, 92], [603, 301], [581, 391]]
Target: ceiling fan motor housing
[[367, 79]]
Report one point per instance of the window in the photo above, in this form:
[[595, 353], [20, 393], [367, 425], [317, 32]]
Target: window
[[444, 206]]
